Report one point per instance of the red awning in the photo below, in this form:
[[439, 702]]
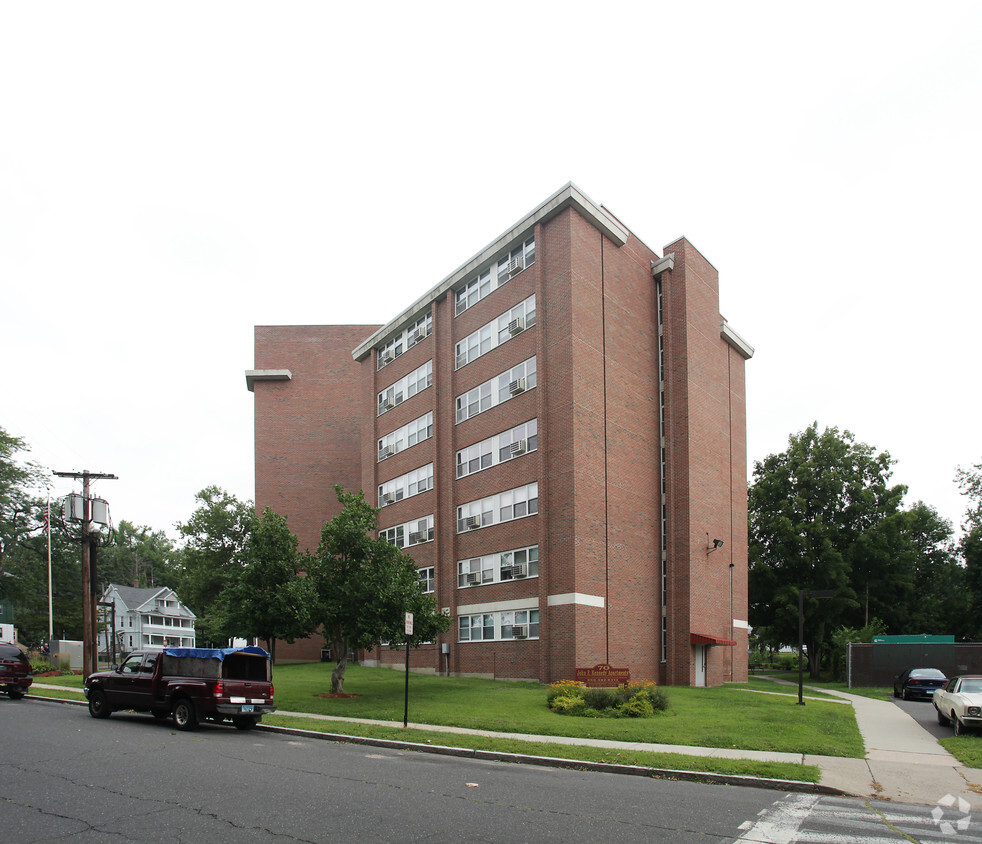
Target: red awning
[[703, 639]]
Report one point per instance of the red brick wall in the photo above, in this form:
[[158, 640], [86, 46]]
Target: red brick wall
[[308, 433]]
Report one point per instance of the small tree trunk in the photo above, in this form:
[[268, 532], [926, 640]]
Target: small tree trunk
[[337, 675]]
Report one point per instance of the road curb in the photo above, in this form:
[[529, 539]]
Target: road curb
[[570, 764]]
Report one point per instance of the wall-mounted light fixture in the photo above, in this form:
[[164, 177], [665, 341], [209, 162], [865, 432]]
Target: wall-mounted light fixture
[[716, 544]]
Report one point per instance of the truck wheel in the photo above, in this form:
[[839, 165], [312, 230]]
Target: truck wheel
[[244, 722], [16, 694], [185, 715], [98, 705]]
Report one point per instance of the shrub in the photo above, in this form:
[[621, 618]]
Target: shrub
[[568, 705], [601, 698], [564, 688], [41, 666], [639, 706]]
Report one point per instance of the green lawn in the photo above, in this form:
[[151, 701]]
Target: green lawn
[[735, 716], [727, 716]]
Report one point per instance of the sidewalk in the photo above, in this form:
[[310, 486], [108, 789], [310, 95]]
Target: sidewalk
[[903, 763]]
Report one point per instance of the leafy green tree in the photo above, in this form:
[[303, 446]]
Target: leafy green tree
[[271, 598], [138, 556], [816, 523], [365, 586], [20, 513], [213, 556], [971, 549]]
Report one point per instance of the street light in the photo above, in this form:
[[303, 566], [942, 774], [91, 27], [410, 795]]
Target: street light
[[814, 593]]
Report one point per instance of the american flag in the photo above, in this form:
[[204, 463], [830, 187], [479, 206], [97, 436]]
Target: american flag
[[47, 517]]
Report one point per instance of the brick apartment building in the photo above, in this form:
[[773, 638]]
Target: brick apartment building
[[556, 433]]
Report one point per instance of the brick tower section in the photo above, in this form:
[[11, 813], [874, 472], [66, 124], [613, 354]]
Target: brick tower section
[[308, 432], [706, 479]]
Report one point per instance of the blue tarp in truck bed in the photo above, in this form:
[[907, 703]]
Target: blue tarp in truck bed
[[214, 653]]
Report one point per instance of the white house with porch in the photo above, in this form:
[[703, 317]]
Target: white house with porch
[[146, 619]]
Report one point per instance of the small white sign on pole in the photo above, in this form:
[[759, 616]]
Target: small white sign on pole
[[409, 624]]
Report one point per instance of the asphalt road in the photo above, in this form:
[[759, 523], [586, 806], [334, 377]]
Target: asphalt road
[[926, 715], [66, 776]]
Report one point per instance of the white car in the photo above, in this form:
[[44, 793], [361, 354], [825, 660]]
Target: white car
[[959, 702]]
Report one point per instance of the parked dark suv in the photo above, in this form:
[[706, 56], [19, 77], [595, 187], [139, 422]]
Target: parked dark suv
[[15, 671]]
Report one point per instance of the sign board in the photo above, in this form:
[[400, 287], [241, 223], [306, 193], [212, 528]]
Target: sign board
[[603, 675], [409, 624]]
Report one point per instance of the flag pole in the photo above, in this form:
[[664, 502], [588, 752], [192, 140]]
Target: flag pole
[[51, 613]]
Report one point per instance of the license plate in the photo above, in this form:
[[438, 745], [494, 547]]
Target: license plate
[[248, 707]]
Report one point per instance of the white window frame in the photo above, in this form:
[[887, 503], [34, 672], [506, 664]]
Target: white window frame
[[497, 449], [494, 333], [499, 624], [500, 508], [406, 437], [494, 276], [497, 390], [402, 536], [405, 388], [406, 486], [488, 567], [427, 580], [412, 334]]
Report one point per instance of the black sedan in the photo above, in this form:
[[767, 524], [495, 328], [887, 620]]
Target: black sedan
[[918, 682]]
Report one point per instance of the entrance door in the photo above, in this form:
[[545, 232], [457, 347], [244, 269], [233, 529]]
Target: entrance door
[[701, 664]]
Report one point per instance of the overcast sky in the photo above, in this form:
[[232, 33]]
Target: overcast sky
[[173, 174]]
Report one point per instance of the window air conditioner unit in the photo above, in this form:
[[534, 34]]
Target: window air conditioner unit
[[472, 522], [416, 336], [473, 577], [416, 537], [519, 447], [517, 386], [519, 570], [387, 357], [388, 498], [515, 266], [516, 326], [520, 631], [387, 451], [388, 403]]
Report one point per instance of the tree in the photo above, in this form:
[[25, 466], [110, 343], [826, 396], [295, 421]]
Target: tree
[[216, 536], [365, 586], [138, 556], [270, 598], [19, 505], [816, 523]]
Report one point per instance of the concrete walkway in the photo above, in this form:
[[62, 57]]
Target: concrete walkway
[[903, 762]]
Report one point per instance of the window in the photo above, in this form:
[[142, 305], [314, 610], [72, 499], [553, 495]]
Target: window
[[408, 435], [513, 624], [503, 507], [406, 388], [499, 389], [496, 332], [426, 581], [408, 534], [406, 486], [505, 268], [405, 340], [494, 568], [513, 443]]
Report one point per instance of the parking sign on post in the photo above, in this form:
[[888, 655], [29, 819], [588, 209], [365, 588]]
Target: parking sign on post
[[409, 634]]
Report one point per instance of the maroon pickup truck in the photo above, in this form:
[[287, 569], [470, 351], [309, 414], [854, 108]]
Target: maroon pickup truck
[[189, 684]]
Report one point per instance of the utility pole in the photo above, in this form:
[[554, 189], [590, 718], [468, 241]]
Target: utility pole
[[90, 646]]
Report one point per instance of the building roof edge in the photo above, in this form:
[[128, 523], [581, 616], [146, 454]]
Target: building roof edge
[[568, 196]]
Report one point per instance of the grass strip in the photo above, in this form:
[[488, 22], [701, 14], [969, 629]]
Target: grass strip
[[645, 759]]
